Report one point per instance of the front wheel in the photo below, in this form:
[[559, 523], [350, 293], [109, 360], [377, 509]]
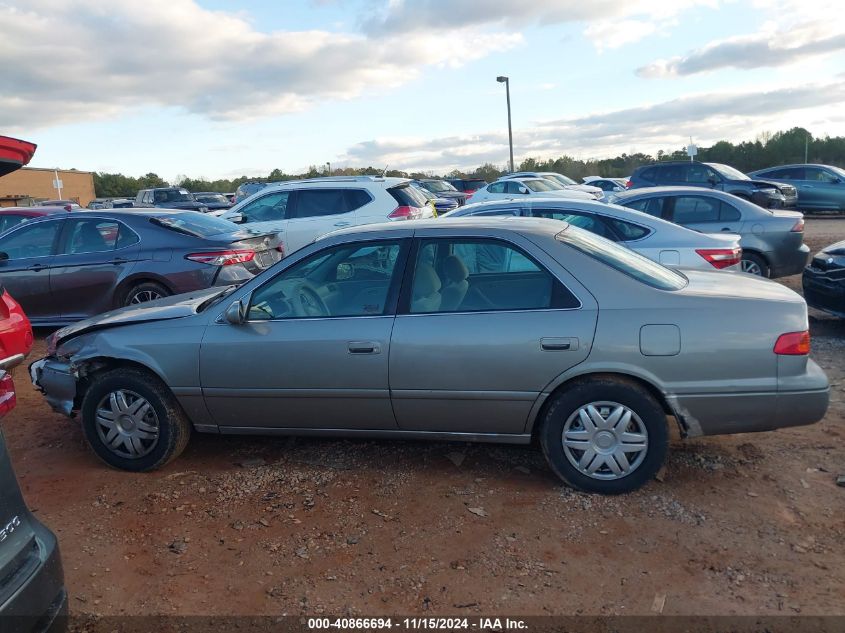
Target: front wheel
[[132, 421], [605, 435]]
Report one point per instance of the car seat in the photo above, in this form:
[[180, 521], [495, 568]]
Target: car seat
[[452, 294], [426, 294]]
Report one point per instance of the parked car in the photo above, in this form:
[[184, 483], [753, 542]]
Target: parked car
[[14, 154], [214, 201], [15, 329], [564, 181], [526, 187], [12, 216], [467, 185], [122, 203], [32, 587], [609, 186], [98, 204], [63, 268], [441, 205], [502, 331], [767, 194], [824, 280], [67, 205], [247, 189], [442, 189], [301, 210], [657, 239], [168, 198], [820, 187], [772, 240]]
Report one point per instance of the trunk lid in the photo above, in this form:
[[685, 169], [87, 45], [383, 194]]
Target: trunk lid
[[265, 245], [703, 283]]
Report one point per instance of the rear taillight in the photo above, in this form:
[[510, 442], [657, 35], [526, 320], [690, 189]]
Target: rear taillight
[[222, 258], [7, 394], [799, 227], [793, 344], [405, 213], [628, 184], [721, 257]]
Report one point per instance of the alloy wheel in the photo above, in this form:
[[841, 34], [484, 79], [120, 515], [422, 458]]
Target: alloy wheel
[[751, 267], [605, 440], [127, 424], [142, 296]]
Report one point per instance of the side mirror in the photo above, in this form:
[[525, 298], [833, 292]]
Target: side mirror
[[237, 218], [236, 313], [523, 189], [344, 271], [712, 180], [3, 256]]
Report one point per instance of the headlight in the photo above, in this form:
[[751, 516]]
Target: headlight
[[769, 191]]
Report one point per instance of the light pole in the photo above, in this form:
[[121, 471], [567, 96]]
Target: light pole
[[506, 81]]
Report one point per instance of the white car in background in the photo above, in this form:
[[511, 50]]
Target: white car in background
[[509, 188], [609, 186], [652, 237], [564, 181], [302, 210]]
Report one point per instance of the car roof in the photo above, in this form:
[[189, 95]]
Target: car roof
[[472, 223], [31, 211], [699, 191]]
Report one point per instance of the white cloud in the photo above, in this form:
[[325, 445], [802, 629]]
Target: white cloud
[[666, 125], [90, 59]]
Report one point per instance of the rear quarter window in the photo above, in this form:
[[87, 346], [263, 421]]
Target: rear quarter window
[[407, 196]]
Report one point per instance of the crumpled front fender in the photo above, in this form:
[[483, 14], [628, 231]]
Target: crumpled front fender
[[56, 379]]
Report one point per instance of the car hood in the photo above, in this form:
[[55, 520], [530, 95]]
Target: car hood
[[835, 249], [769, 184], [175, 307], [587, 188], [449, 194]]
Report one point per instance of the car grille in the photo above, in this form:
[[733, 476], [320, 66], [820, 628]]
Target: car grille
[[788, 190]]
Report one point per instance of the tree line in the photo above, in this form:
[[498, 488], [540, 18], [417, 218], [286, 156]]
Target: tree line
[[767, 150]]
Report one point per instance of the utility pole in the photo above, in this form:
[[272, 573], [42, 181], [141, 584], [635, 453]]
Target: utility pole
[[806, 147], [506, 81]]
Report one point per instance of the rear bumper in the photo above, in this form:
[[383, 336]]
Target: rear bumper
[[784, 263], [39, 605], [824, 293], [726, 413]]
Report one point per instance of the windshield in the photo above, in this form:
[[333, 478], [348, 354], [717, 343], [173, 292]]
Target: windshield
[[425, 192], [438, 186], [838, 171], [729, 172], [211, 198], [194, 223], [559, 178], [541, 185], [622, 259]]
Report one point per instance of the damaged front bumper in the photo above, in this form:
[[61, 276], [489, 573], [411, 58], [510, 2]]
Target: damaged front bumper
[[56, 379]]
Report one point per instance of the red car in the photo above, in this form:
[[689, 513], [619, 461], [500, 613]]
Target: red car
[[12, 216], [15, 330]]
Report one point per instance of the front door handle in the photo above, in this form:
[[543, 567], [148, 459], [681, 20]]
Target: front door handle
[[119, 260], [558, 344], [364, 347], [341, 223], [726, 229], [38, 267]]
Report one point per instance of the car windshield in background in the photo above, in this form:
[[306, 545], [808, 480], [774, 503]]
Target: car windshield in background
[[622, 259], [426, 193], [438, 186], [541, 185], [729, 172], [212, 199], [560, 178], [838, 171], [196, 224]]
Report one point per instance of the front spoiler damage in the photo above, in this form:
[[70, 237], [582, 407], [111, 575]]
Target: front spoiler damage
[[57, 381]]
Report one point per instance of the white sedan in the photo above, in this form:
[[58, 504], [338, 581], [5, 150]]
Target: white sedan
[[664, 242], [565, 182], [526, 188]]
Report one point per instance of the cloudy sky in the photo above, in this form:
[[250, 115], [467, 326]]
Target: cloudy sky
[[220, 88]]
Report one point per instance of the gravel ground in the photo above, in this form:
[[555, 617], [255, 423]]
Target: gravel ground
[[745, 524]]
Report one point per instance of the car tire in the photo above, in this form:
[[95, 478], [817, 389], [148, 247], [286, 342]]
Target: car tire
[[140, 430], [143, 292], [574, 446], [753, 264]]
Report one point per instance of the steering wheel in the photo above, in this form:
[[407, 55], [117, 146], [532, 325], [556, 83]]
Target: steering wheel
[[309, 302]]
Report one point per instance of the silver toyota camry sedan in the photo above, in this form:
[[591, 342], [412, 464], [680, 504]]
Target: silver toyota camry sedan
[[492, 330]]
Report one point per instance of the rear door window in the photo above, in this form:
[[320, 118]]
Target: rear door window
[[312, 203], [496, 187], [695, 210], [586, 221], [90, 236], [651, 206]]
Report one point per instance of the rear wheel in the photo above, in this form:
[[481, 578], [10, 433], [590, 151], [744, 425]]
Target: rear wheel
[[605, 435], [754, 265], [147, 291], [132, 421]]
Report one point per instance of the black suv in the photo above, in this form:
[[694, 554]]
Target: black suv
[[767, 194], [169, 198], [467, 185]]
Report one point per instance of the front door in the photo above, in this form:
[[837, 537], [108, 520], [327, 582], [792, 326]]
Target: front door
[[26, 255], [94, 254], [820, 189], [314, 349], [483, 328]]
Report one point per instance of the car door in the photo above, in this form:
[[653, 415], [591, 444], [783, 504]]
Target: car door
[[26, 255], [483, 327], [264, 213], [706, 214], [820, 189], [313, 350], [94, 255], [318, 211]]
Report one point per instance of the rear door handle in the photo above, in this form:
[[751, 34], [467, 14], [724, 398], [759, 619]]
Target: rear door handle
[[341, 223], [37, 267], [364, 347], [119, 260], [726, 229], [558, 344]]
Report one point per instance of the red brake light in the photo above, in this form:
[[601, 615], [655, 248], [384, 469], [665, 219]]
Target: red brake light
[[405, 213], [721, 257], [793, 344], [7, 394], [799, 227], [222, 258], [628, 184]]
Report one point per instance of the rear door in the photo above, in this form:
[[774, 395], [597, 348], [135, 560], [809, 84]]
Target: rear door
[[26, 255], [706, 214], [483, 327], [318, 211], [94, 254]]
